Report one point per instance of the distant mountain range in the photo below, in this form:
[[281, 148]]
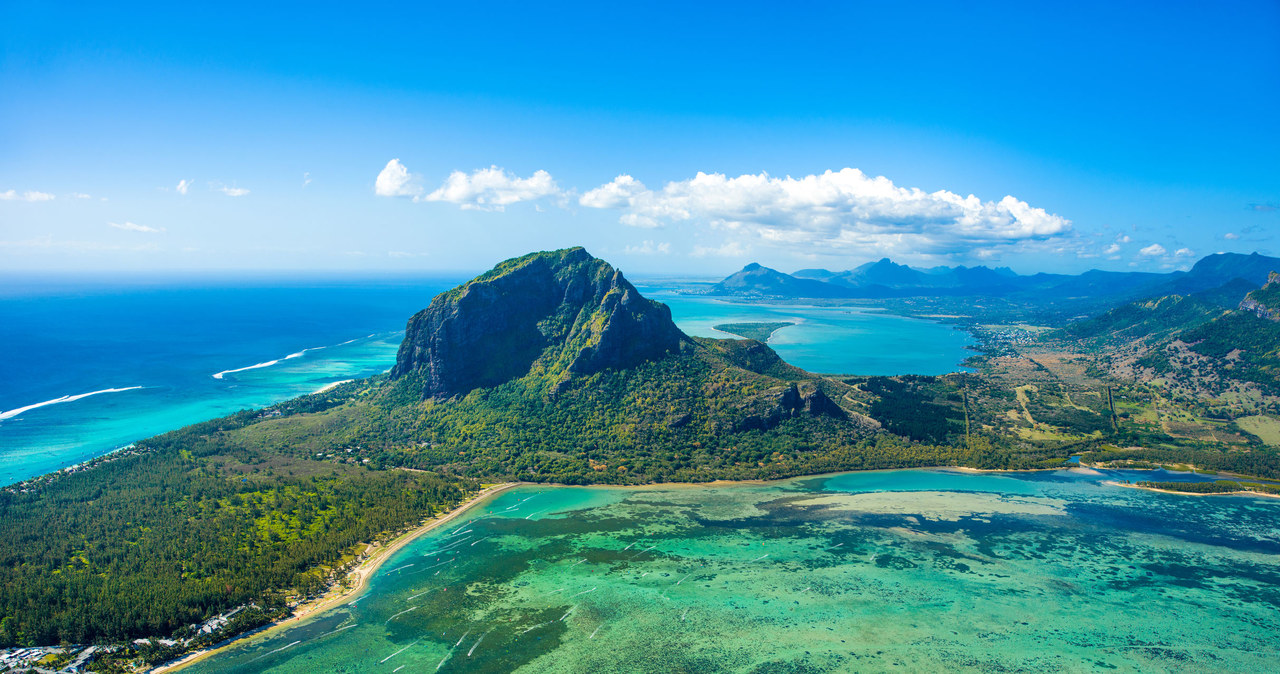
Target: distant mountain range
[[887, 279]]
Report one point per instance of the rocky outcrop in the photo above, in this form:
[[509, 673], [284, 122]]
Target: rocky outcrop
[[1265, 301], [558, 314], [792, 403]]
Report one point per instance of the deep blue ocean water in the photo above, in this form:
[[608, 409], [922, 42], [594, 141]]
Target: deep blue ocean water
[[92, 365]]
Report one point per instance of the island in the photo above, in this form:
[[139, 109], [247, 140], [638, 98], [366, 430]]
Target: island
[[760, 332]]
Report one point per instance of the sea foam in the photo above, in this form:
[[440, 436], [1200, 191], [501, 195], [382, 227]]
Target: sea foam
[[296, 354], [64, 399]]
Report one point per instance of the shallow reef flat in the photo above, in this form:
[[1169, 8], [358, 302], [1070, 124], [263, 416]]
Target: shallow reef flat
[[895, 570]]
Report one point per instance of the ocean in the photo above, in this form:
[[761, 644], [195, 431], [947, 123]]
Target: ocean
[[94, 364], [905, 570]]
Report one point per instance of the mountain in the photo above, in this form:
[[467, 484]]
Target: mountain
[[564, 313], [757, 280], [1094, 290]]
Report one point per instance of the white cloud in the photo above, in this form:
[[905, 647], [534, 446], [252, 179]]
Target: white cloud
[[1154, 250], [728, 249], [1112, 249], [1231, 236], [836, 211], [29, 195], [132, 227], [232, 191], [493, 189], [306, 178], [648, 248], [1184, 252], [395, 181], [1123, 238], [80, 195], [183, 186]]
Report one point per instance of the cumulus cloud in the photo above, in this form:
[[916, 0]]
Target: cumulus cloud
[[1123, 238], [1231, 236], [395, 181], [728, 249], [80, 195], [1184, 252], [1112, 249], [133, 227], [493, 189], [29, 195], [1154, 250], [183, 186], [836, 211], [229, 190], [648, 247]]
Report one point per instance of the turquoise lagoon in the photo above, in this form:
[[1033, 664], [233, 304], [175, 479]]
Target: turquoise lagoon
[[913, 570], [849, 339], [149, 352]]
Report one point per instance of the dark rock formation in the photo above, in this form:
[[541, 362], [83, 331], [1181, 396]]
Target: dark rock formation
[[1265, 301], [557, 314]]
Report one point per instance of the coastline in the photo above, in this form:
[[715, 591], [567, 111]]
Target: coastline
[[1243, 492], [336, 596], [365, 570]]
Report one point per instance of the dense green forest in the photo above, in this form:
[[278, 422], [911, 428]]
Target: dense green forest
[[1215, 487], [756, 331], [186, 526]]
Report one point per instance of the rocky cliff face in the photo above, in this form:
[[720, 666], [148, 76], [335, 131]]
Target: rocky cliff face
[[1265, 301], [555, 314]]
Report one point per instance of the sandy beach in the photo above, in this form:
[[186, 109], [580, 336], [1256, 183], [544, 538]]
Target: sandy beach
[[1191, 493], [337, 596]]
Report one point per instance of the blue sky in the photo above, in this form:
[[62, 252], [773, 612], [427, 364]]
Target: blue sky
[[664, 137]]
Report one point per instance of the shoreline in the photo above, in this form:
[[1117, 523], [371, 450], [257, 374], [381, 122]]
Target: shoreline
[[335, 596], [1244, 492], [329, 387], [365, 570]]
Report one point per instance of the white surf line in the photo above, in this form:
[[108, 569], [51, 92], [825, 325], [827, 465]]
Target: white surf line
[[597, 629], [64, 399], [273, 652], [397, 652], [759, 558], [296, 354], [339, 629], [642, 552], [477, 643], [464, 636], [582, 593], [400, 614], [453, 545]]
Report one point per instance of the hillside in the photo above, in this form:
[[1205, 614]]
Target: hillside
[[1062, 295]]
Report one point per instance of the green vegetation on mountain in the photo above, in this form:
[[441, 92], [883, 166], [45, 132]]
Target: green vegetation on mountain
[[553, 368], [760, 332]]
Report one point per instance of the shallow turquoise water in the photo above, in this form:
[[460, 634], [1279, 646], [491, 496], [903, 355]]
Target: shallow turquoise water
[[921, 570], [156, 349], [832, 340]]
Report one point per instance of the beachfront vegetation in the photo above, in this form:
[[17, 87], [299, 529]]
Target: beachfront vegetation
[[757, 331], [188, 526]]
